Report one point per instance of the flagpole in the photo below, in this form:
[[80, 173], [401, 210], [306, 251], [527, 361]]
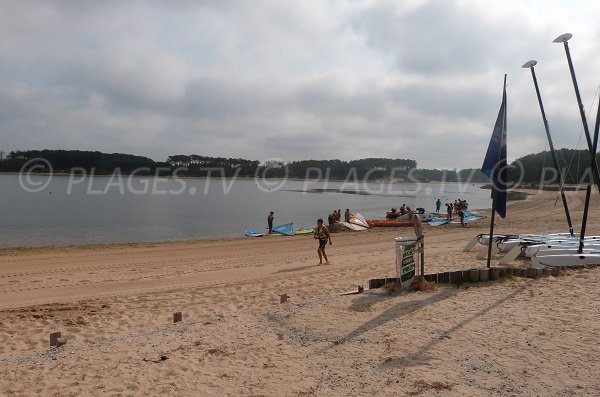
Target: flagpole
[[489, 254], [494, 191], [530, 65]]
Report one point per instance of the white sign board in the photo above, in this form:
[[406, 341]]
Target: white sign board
[[405, 261]]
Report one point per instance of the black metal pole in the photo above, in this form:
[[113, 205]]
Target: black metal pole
[[588, 191], [553, 152], [586, 206], [583, 118]]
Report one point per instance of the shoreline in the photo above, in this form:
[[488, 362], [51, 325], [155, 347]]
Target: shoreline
[[215, 238]]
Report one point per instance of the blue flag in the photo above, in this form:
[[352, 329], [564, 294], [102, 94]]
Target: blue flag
[[494, 164]]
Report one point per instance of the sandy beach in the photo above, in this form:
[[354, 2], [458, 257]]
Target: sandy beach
[[114, 306]]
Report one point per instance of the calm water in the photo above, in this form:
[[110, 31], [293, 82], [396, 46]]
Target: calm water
[[98, 210]]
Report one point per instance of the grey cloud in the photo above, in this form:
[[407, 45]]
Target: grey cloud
[[291, 80], [436, 37]]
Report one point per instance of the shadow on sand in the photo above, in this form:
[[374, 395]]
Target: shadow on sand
[[404, 308]]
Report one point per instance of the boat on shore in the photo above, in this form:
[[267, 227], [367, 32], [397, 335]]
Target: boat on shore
[[389, 223], [397, 215], [359, 220], [287, 230]]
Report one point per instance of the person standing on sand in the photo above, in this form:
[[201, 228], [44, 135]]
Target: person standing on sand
[[322, 235], [270, 221], [438, 205], [331, 220], [461, 213], [347, 215]]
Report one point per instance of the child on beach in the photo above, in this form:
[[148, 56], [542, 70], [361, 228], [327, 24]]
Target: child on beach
[[322, 235]]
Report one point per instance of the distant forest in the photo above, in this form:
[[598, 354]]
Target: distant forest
[[574, 165], [76, 161], [574, 162]]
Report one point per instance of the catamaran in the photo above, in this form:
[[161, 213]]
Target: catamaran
[[561, 249]]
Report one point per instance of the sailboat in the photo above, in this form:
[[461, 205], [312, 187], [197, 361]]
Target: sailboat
[[357, 223], [585, 252], [556, 249]]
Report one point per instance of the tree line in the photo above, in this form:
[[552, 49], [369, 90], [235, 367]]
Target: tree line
[[529, 169], [68, 161], [538, 168]]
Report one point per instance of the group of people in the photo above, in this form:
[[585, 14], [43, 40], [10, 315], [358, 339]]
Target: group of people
[[336, 216], [403, 210], [458, 207]]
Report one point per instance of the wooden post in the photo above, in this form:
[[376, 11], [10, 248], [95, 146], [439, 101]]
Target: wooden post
[[431, 277], [547, 271], [444, 277], [456, 277], [494, 273], [177, 317], [466, 276], [55, 339], [484, 274], [474, 275]]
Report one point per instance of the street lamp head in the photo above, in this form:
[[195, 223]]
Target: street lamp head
[[563, 38], [529, 64]]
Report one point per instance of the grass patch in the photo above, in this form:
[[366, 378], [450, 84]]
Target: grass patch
[[420, 284]]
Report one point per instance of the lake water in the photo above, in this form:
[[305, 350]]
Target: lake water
[[61, 210]]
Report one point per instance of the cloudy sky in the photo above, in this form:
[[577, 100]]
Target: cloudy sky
[[315, 79]]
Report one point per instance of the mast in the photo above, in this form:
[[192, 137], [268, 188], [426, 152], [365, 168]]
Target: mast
[[530, 65], [588, 191], [592, 145]]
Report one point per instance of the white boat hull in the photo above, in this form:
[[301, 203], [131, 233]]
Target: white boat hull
[[533, 249], [567, 260], [567, 251]]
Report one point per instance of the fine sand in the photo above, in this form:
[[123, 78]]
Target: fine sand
[[114, 306]]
